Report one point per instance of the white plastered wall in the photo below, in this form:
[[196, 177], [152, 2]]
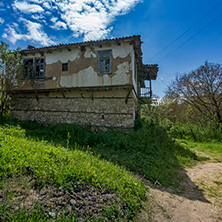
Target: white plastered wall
[[89, 76]]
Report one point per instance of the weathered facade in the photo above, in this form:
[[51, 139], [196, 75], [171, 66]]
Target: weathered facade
[[91, 83]]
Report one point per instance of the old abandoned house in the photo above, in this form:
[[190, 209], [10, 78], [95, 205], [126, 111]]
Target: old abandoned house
[[97, 83]]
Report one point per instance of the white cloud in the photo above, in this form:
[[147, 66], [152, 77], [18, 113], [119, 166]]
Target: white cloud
[[2, 21], [58, 25], [48, 13], [34, 33], [12, 35], [27, 8], [54, 19], [47, 5], [38, 17], [90, 19], [37, 1]]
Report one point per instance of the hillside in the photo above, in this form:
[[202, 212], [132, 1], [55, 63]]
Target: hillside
[[50, 172], [41, 166]]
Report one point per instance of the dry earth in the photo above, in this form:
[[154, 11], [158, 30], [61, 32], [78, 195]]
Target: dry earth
[[81, 200], [199, 200]]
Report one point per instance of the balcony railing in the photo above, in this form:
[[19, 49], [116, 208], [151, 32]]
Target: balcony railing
[[145, 92], [145, 95]]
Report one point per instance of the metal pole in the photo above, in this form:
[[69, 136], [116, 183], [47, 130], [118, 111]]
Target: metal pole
[[151, 94]]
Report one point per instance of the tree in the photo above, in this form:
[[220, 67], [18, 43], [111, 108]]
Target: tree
[[10, 61], [202, 89]]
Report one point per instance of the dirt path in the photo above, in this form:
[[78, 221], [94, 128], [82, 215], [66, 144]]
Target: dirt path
[[199, 200]]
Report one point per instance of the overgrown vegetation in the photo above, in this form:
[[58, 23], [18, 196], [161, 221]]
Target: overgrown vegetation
[[49, 164], [147, 150], [182, 121], [201, 89], [66, 155], [9, 63], [196, 133], [192, 107]]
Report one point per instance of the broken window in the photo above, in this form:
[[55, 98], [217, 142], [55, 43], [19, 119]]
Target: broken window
[[28, 68], [64, 67], [39, 70], [104, 61], [34, 68]]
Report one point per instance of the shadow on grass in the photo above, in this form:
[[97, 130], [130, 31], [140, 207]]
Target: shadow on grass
[[187, 189], [147, 151]]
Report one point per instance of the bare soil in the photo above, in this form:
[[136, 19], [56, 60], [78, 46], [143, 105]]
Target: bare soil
[[84, 201], [198, 199]]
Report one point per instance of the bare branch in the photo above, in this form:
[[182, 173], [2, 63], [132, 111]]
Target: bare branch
[[201, 88]]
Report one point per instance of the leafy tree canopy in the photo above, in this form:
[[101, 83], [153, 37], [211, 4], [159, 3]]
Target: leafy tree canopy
[[10, 61]]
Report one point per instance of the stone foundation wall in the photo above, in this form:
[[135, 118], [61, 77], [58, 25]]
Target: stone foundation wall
[[101, 109]]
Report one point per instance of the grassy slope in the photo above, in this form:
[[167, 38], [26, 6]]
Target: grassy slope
[[20, 155], [65, 154], [211, 149], [201, 139], [148, 151]]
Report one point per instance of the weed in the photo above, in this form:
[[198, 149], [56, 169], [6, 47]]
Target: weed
[[68, 139], [196, 133]]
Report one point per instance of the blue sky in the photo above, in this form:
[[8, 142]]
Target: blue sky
[[159, 22]]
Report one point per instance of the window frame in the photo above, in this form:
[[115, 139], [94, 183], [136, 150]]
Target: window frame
[[65, 67], [35, 68], [104, 57]]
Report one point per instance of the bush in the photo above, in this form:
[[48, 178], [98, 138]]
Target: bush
[[196, 133]]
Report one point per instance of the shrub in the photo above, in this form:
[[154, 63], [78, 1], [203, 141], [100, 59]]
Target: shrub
[[196, 133]]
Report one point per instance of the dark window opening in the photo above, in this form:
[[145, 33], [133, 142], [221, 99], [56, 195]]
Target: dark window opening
[[64, 67], [34, 68], [39, 67], [105, 61], [28, 68]]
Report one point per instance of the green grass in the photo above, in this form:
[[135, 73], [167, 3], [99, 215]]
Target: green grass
[[66, 154], [196, 133], [148, 151], [57, 165], [213, 150], [37, 214]]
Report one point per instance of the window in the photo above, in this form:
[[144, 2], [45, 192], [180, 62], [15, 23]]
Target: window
[[104, 61], [34, 68], [64, 67], [28, 68]]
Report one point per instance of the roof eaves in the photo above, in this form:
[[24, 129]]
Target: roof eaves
[[54, 47]]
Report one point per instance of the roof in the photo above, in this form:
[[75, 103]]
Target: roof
[[130, 38]]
